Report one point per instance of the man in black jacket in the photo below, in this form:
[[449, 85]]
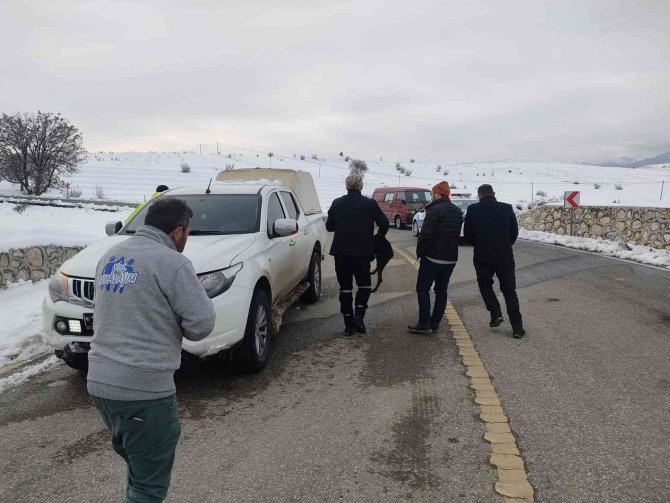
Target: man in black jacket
[[492, 229], [437, 249], [352, 218]]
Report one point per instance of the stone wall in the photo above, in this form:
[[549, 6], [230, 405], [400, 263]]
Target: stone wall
[[641, 226], [34, 263]]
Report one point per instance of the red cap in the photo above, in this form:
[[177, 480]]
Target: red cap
[[442, 188]]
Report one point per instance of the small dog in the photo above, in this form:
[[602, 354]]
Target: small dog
[[383, 254]]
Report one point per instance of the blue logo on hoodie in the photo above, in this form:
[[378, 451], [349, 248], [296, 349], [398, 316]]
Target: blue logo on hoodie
[[117, 273]]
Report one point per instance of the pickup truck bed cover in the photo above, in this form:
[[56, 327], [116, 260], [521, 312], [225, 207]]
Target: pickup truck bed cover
[[300, 182]]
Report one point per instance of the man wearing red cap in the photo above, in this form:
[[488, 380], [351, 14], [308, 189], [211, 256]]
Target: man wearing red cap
[[437, 249]]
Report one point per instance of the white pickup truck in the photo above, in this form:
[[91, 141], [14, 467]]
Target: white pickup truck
[[257, 242]]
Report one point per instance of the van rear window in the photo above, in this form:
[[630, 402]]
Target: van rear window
[[419, 197]]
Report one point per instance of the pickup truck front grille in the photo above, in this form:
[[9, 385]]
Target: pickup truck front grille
[[82, 291]]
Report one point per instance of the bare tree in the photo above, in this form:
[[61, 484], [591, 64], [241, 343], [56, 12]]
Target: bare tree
[[358, 166], [14, 145], [37, 149]]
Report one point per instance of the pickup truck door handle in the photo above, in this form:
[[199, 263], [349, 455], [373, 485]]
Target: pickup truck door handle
[[292, 242]]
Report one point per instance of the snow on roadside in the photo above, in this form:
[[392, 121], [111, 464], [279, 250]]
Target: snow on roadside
[[636, 253], [31, 371], [47, 225], [21, 321]]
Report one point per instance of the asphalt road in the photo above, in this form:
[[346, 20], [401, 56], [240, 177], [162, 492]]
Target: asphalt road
[[389, 416]]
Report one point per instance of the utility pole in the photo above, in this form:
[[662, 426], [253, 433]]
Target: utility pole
[[532, 192], [662, 185], [201, 149]]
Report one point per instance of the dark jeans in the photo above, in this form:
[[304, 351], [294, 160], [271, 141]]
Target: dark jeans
[[145, 435], [431, 273], [507, 278], [348, 268]]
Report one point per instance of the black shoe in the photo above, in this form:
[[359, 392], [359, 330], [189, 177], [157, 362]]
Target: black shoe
[[435, 329], [349, 325], [518, 332], [418, 329], [496, 320], [358, 320]]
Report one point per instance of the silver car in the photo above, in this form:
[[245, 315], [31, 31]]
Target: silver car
[[462, 203]]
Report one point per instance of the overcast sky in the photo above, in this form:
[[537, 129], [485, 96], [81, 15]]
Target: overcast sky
[[442, 81]]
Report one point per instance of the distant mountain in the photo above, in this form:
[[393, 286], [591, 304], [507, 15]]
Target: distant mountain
[[629, 162]]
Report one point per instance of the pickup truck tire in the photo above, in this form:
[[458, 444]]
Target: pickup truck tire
[[398, 222], [253, 352], [415, 229], [313, 293]]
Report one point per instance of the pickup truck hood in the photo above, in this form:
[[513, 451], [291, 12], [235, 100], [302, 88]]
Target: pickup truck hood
[[207, 253]]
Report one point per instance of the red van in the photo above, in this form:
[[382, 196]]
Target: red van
[[399, 204]]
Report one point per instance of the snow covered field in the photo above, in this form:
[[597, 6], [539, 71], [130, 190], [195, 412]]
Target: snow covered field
[[42, 225], [132, 177]]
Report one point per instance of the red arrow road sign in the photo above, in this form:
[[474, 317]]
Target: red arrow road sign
[[571, 199]]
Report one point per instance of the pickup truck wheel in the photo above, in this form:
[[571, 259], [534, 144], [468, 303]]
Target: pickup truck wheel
[[415, 229], [256, 343], [313, 293], [398, 222]]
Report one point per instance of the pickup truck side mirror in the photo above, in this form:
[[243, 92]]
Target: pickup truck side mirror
[[284, 227], [112, 228]]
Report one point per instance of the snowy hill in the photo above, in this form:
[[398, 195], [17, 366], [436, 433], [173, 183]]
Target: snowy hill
[[133, 176], [629, 162]]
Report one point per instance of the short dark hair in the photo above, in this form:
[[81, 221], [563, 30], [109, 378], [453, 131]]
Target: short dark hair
[[485, 190], [162, 188], [168, 213]]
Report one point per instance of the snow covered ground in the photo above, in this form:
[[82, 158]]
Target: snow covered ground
[[21, 326], [132, 177], [48, 225], [641, 254]]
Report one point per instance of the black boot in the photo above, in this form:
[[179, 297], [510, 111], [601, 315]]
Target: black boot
[[518, 332], [496, 320], [359, 316], [419, 329], [349, 325]]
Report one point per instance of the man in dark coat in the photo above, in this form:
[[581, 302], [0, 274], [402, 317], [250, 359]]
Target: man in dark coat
[[437, 249], [352, 218], [491, 228]]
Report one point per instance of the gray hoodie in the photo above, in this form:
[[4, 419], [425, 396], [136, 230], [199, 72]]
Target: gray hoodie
[[147, 296]]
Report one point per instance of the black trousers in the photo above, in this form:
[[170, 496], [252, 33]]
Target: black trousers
[[507, 278], [431, 274], [348, 268]]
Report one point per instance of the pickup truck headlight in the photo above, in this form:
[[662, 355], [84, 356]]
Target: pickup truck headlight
[[58, 288], [217, 282]]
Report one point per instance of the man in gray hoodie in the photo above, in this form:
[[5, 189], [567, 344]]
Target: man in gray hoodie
[[147, 298]]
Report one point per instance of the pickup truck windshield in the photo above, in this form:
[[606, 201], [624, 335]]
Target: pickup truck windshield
[[213, 214]]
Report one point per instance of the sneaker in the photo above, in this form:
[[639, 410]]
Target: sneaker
[[496, 320], [418, 329], [435, 329], [518, 332]]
